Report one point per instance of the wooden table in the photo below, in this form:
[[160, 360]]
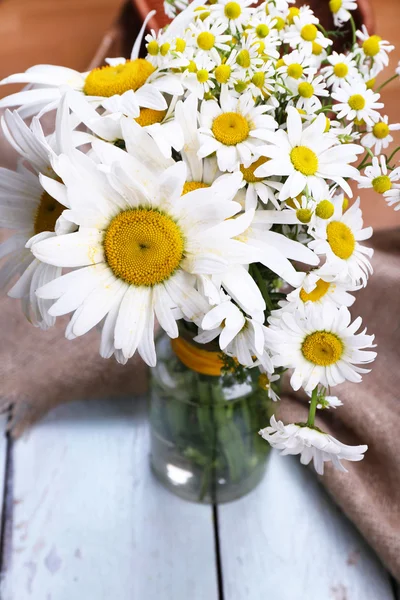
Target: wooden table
[[84, 519]]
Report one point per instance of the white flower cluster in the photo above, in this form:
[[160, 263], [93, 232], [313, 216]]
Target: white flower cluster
[[205, 174]]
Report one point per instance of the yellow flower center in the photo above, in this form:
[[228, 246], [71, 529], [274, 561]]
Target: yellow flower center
[[180, 45], [230, 128], [258, 79], [222, 73], [240, 86], [248, 172], [304, 215], [341, 239], [243, 59], [317, 293], [190, 186], [279, 23], [192, 67], [305, 89], [371, 46], [149, 116], [153, 48], [295, 70], [324, 209], [262, 30], [205, 40], [202, 75], [317, 49], [108, 81], [165, 49], [293, 12], [327, 124], [345, 204], [335, 5], [280, 63], [47, 214], [309, 32], [143, 246], [263, 381], [322, 348], [370, 83], [356, 102], [340, 70], [304, 160], [380, 130], [232, 10], [359, 122], [381, 184]]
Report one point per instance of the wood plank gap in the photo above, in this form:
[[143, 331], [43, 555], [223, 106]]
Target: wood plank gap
[[218, 560]]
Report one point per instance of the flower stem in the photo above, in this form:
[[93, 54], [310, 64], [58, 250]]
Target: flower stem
[[392, 155], [262, 286], [386, 82], [313, 408], [353, 29]]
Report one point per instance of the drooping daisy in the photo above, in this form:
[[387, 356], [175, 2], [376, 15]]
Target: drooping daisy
[[138, 248], [31, 202], [239, 336], [320, 345], [304, 33], [253, 187], [378, 137], [234, 14], [378, 177], [307, 157], [312, 445], [265, 382], [233, 128], [355, 101], [340, 10], [135, 79], [374, 48], [342, 69], [338, 238]]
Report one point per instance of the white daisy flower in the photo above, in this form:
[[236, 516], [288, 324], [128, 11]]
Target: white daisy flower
[[307, 157], [136, 81], [320, 345], [339, 240], [138, 247], [374, 48], [234, 14], [266, 35], [342, 69], [234, 129], [265, 380], [32, 200], [326, 402], [378, 178], [309, 92], [248, 57], [312, 445], [253, 187], [355, 101], [378, 137], [262, 83], [392, 198], [340, 10], [238, 335], [294, 67], [199, 78], [208, 38], [304, 33], [227, 72]]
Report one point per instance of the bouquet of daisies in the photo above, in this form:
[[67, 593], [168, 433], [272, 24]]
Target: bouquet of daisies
[[207, 185]]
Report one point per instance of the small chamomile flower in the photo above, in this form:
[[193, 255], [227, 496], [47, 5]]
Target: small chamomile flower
[[355, 101], [308, 156], [392, 198], [374, 48], [208, 37], [309, 92], [267, 37], [342, 69], [338, 238], [262, 83], [304, 33], [234, 14], [312, 445], [254, 188], [199, 79], [265, 382], [378, 135], [248, 59], [320, 344], [377, 177], [292, 68], [340, 10], [234, 129]]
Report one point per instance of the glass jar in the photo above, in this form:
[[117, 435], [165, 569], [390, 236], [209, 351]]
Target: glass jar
[[205, 445]]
